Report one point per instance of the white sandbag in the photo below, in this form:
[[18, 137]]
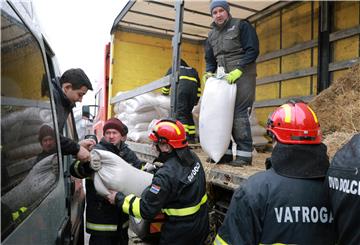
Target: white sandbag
[[141, 126], [140, 136], [141, 103], [119, 107], [216, 117], [135, 118], [35, 186], [31, 115], [116, 174], [163, 101], [25, 151]]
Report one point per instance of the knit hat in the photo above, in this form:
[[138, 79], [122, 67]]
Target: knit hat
[[44, 131], [219, 3], [116, 124]]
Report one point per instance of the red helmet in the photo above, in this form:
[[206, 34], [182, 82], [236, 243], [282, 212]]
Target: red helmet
[[169, 131], [295, 123]]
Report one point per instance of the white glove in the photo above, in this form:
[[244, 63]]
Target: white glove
[[95, 162], [149, 167]]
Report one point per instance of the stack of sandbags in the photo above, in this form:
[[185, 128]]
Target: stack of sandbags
[[138, 112], [257, 132], [20, 145]]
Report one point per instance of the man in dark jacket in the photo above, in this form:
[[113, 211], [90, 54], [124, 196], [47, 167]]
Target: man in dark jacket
[[232, 46], [188, 94], [343, 181], [71, 88], [178, 189], [288, 203], [106, 223]]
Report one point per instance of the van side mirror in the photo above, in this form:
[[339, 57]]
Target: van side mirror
[[86, 111]]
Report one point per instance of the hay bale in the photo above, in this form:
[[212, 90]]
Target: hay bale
[[338, 107]]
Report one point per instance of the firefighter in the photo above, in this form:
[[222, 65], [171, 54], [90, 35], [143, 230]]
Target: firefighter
[[287, 203], [106, 223], [188, 94], [178, 189], [343, 181]]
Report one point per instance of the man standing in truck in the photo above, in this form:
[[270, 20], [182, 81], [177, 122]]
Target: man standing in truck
[[288, 203], [107, 224], [178, 189], [188, 94], [73, 85], [233, 45]]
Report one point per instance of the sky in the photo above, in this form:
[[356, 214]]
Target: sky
[[77, 31]]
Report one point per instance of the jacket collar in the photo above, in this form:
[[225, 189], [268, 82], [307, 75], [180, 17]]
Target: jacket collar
[[300, 161]]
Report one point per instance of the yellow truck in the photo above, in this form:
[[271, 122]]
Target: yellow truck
[[304, 45]]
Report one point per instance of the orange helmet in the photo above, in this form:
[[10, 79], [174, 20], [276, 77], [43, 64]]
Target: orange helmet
[[169, 131], [294, 123]]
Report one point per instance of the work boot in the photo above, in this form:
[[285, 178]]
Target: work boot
[[240, 162]]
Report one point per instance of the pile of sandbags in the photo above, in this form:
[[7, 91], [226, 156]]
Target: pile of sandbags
[[138, 112], [20, 144]]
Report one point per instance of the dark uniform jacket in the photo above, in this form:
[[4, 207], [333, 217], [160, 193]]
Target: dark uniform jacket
[[233, 46], [189, 82], [103, 218], [179, 191], [63, 110], [281, 205], [343, 181]]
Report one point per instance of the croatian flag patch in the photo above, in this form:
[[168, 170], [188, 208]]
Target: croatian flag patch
[[155, 189]]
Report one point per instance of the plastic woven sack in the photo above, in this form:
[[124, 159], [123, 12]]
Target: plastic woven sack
[[116, 174], [216, 117]]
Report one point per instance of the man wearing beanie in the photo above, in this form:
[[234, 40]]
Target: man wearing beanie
[[233, 45], [47, 142], [106, 223], [71, 88]]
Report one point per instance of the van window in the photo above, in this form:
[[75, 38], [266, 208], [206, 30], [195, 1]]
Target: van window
[[29, 159]]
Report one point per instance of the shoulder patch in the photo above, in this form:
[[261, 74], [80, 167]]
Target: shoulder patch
[[155, 189]]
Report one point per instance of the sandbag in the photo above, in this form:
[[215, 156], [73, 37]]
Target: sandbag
[[216, 117], [116, 174], [35, 186]]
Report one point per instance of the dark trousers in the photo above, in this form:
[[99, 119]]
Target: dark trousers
[[245, 97], [186, 100]]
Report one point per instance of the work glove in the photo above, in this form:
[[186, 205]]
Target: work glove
[[149, 167], [233, 76], [95, 162], [206, 76]]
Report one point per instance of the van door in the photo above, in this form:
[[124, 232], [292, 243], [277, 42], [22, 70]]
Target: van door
[[33, 205]]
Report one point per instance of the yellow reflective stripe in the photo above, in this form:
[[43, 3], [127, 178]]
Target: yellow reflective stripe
[[188, 78], [185, 211], [100, 227], [191, 126], [287, 110], [272, 243], [177, 129], [313, 113], [136, 208], [76, 168], [166, 89], [191, 132], [219, 240], [126, 204], [15, 215]]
